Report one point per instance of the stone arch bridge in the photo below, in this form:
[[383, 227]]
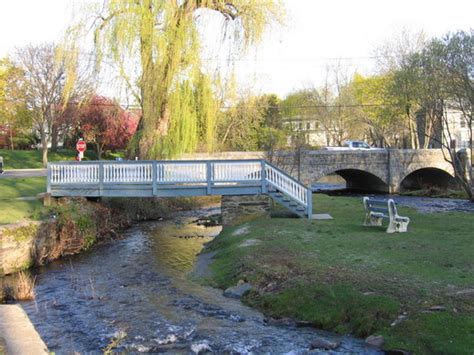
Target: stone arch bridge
[[384, 170]]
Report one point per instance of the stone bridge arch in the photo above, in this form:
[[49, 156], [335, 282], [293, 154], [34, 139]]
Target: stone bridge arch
[[364, 170], [355, 177], [428, 177], [422, 163]]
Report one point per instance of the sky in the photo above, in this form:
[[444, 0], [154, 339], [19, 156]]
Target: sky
[[293, 56]]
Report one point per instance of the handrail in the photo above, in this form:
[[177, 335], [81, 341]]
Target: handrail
[[178, 171], [169, 174], [286, 183], [105, 162]]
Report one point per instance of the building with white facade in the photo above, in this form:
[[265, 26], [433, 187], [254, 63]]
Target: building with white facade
[[457, 130], [309, 128]]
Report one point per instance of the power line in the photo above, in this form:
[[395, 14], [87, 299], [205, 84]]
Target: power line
[[294, 59], [281, 107]]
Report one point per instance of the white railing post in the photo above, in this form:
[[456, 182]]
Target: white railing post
[[48, 186], [209, 176], [263, 177], [154, 179], [101, 177]]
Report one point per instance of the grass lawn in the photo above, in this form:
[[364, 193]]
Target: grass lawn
[[13, 209], [32, 159], [344, 277]]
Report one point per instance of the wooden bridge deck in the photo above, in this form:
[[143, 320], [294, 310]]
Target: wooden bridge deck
[[171, 178]]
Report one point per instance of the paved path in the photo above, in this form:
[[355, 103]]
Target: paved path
[[17, 333], [22, 173]]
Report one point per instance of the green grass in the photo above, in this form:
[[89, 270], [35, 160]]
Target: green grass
[[12, 209], [32, 159], [21, 187], [435, 333], [342, 276], [437, 193]]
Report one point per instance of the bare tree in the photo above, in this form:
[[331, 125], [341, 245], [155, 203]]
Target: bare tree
[[338, 110], [393, 57], [43, 84], [446, 77]]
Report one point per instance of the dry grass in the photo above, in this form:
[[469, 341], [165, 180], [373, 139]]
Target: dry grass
[[24, 288], [20, 288]]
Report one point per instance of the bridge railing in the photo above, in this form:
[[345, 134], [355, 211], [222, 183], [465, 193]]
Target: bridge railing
[[286, 184], [166, 172], [169, 174]]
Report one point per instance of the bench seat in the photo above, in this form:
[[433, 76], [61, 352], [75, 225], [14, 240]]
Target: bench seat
[[378, 210]]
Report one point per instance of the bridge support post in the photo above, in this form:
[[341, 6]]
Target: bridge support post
[[48, 179], [155, 178], [264, 185], [393, 189], [101, 178], [209, 177], [309, 209], [393, 168]]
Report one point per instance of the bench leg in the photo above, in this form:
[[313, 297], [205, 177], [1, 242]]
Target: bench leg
[[397, 226], [372, 221]]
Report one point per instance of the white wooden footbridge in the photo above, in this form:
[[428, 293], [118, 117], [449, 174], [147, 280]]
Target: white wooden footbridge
[[170, 178]]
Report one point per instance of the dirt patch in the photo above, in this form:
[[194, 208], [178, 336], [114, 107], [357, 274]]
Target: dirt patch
[[245, 229], [201, 268], [249, 243]]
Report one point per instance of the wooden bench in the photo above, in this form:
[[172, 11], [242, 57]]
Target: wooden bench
[[378, 210]]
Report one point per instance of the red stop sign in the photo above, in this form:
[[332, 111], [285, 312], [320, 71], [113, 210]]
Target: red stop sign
[[81, 146]]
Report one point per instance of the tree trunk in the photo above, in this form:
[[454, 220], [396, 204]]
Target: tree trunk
[[413, 133], [44, 147], [54, 138], [11, 138], [461, 172], [155, 85], [428, 130], [146, 132], [99, 151]]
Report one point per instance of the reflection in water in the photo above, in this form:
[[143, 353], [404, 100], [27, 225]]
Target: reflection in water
[[329, 183], [179, 243], [136, 288]]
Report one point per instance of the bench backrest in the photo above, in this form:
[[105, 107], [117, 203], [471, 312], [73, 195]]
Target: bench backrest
[[392, 209], [376, 205], [381, 206]]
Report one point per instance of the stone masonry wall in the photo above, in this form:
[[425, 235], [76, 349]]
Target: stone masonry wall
[[389, 167], [239, 209]]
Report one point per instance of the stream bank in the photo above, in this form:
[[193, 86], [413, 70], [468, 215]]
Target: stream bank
[[73, 225], [134, 295], [411, 291]]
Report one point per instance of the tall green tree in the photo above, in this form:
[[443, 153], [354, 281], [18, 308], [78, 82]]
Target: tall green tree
[[447, 65], [13, 111], [378, 109], [160, 40], [393, 59], [438, 78]]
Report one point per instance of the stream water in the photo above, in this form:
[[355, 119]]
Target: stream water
[[336, 185], [137, 290]]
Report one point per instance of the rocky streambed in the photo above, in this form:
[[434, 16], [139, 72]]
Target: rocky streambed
[[134, 295]]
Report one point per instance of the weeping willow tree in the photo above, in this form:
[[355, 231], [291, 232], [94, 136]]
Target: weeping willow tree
[[162, 40]]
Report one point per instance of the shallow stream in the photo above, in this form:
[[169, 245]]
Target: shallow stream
[[134, 295], [333, 185]]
